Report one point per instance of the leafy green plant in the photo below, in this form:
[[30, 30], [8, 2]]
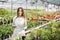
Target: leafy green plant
[[34, 24], [48, 32], [5, 30]]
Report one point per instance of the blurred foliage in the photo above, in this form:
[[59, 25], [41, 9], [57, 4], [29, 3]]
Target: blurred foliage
[[6, 30], [48, 32]]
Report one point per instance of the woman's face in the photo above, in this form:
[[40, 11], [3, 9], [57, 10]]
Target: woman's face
[[20, 12]]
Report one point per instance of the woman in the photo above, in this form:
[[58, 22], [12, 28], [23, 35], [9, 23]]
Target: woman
[[19, 22]]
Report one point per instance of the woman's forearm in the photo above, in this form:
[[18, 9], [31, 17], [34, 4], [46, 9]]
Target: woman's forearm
[[25, 23]]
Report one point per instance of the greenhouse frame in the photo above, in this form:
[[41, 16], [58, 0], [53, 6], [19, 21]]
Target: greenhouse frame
[[43, 19]]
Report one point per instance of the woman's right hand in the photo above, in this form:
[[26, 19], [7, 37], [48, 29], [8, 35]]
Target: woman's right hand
[[14, 26]]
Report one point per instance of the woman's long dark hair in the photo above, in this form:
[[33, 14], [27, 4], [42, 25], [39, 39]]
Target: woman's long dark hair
[[22, 12]]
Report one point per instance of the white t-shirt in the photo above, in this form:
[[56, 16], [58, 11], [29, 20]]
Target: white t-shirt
[[18, 21]]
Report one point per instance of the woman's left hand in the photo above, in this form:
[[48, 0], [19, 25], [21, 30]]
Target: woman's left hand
[[25, 28]]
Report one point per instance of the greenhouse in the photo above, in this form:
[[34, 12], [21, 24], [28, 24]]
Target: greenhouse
[[29, 19]]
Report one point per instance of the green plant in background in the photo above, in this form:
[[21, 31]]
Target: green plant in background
[[48, 32], [6, 30], [34, 24], [7, 15], [0, 31]]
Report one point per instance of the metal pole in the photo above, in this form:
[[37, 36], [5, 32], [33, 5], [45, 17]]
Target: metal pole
[[36, 8], [26, 8], [11, 10], [2, 13]]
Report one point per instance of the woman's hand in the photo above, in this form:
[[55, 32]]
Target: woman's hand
[[25, 28], [13, 26]]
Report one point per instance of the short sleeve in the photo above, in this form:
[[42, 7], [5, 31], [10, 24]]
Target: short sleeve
[[14, 20]]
